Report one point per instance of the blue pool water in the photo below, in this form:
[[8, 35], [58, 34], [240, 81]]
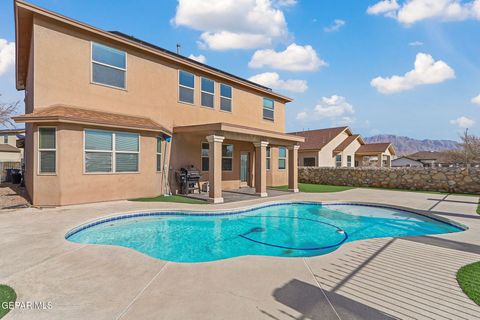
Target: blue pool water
[[285, 230]]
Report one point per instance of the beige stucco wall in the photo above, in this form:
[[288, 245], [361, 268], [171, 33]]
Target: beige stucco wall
[[63, 75], [350, 151], [307, 154], [10, 156], [325, 155]]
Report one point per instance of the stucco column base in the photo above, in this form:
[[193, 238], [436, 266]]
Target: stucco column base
[[262, 194], [215, 200], [294, 190]]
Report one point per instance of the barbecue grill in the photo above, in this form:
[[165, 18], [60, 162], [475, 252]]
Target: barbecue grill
[[188, 179]]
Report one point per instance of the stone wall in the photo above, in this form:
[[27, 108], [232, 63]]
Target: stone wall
[[459, 180]]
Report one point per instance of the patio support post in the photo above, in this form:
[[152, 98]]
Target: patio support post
[[293, 168], [215, 168], [261, 168]]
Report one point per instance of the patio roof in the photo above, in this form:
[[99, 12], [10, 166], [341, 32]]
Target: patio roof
[[70, 114], [238, 132]]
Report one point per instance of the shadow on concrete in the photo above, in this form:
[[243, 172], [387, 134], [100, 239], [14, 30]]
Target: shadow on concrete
[[312, 303], [445, 243]]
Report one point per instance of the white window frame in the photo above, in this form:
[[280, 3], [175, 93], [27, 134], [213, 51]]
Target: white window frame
[[223, 97], [281, 158], [268, 156], [113, 152], [5, 137], [349, 162], [206, 92], [338, 161], [39, 172], [233, 150], [180, 85], [108, 66], [157, 154]]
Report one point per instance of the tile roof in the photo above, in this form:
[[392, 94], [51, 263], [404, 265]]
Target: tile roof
[[431, 155], [317, 139], [374, 148], [345, 143], [8, 148], [63, 113]]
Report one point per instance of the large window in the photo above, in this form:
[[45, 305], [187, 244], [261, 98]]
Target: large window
[[282, 158], [205, 156], [225, 97], [186, 86], [107, 151], [338, 161], [47, 150], [268, 109], [269, 157], [227, 157], [109, 66], [309, 162], [208, 92], [159, 154]]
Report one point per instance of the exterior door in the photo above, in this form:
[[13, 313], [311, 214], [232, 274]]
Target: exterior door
[[244, 169]]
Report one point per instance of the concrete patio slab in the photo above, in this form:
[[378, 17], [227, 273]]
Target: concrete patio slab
[[407, 278]]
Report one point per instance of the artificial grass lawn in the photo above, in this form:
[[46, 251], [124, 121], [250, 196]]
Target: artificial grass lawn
[[7, 294], [309, 187], [468, 278], [174, 198]]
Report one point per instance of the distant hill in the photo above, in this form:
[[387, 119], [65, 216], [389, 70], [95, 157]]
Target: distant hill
[[406, 145]]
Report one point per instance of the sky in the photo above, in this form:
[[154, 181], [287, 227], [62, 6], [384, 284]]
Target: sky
[[405, 67]]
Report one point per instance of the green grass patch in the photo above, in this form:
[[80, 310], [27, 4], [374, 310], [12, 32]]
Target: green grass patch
[[468, 278], [7, 295], [174, 198], [478, 207], [320, 188]]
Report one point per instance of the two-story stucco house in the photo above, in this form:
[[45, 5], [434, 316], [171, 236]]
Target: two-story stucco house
[[112, 117], [339, 147]]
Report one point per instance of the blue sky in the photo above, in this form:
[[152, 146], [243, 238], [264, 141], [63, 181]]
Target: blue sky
[[324, 54]]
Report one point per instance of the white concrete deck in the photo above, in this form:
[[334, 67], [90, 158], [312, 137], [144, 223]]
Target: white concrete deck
[[407, 278]]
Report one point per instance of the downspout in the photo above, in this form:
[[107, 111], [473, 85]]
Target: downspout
[[167, 191]]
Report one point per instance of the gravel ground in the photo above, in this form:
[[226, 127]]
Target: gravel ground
[[12, 196]]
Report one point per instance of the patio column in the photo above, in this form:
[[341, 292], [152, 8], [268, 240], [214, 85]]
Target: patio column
[[215, 167], [261, 168], [293, 168]]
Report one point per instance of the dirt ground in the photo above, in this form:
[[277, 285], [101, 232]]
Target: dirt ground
[[12, 196]]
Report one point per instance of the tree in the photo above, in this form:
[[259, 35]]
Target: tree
[[7, 111], [469, 151]]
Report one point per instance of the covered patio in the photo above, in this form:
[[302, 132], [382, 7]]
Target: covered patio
[[255, 158]]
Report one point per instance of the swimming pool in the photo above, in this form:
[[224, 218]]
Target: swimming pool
[[283, 229]]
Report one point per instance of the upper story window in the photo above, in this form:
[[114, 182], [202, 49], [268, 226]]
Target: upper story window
[[47, 149], [268, 108], [186, 86], [225, 97], [208, 92], [109, 66], [282, 158]]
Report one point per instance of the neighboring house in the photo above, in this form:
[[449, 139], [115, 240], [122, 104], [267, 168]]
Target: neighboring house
[[9, 152], [112, 117], [339, 147], [428, 159], [406, 162]]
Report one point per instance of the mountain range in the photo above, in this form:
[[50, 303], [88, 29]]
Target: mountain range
[[406, 145]]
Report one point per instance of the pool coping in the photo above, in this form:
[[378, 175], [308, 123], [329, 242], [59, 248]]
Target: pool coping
[[234, 211]]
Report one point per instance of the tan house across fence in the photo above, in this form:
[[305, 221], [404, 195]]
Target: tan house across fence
[[109, 117]]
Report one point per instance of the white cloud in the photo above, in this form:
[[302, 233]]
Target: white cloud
[[302, 115], [233, 24], [476, 100], [334, 107], [272, 80], [200, 58], [344, 121], [293, 58], [412, 11], [7, 55], [337, 24], [415, 44], [426, 71], [384, 6], [463, 122], [285, 3]]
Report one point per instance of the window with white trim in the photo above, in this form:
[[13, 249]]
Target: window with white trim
[[107, 151], [205, 156], [186, 87], [268, 157], [338, 160], [159, 154], [5, 138], [282, 158], [109, 66], [47, 150], [268, 109], [227, 157], [225, 97], [208, 92], [349, 161]]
